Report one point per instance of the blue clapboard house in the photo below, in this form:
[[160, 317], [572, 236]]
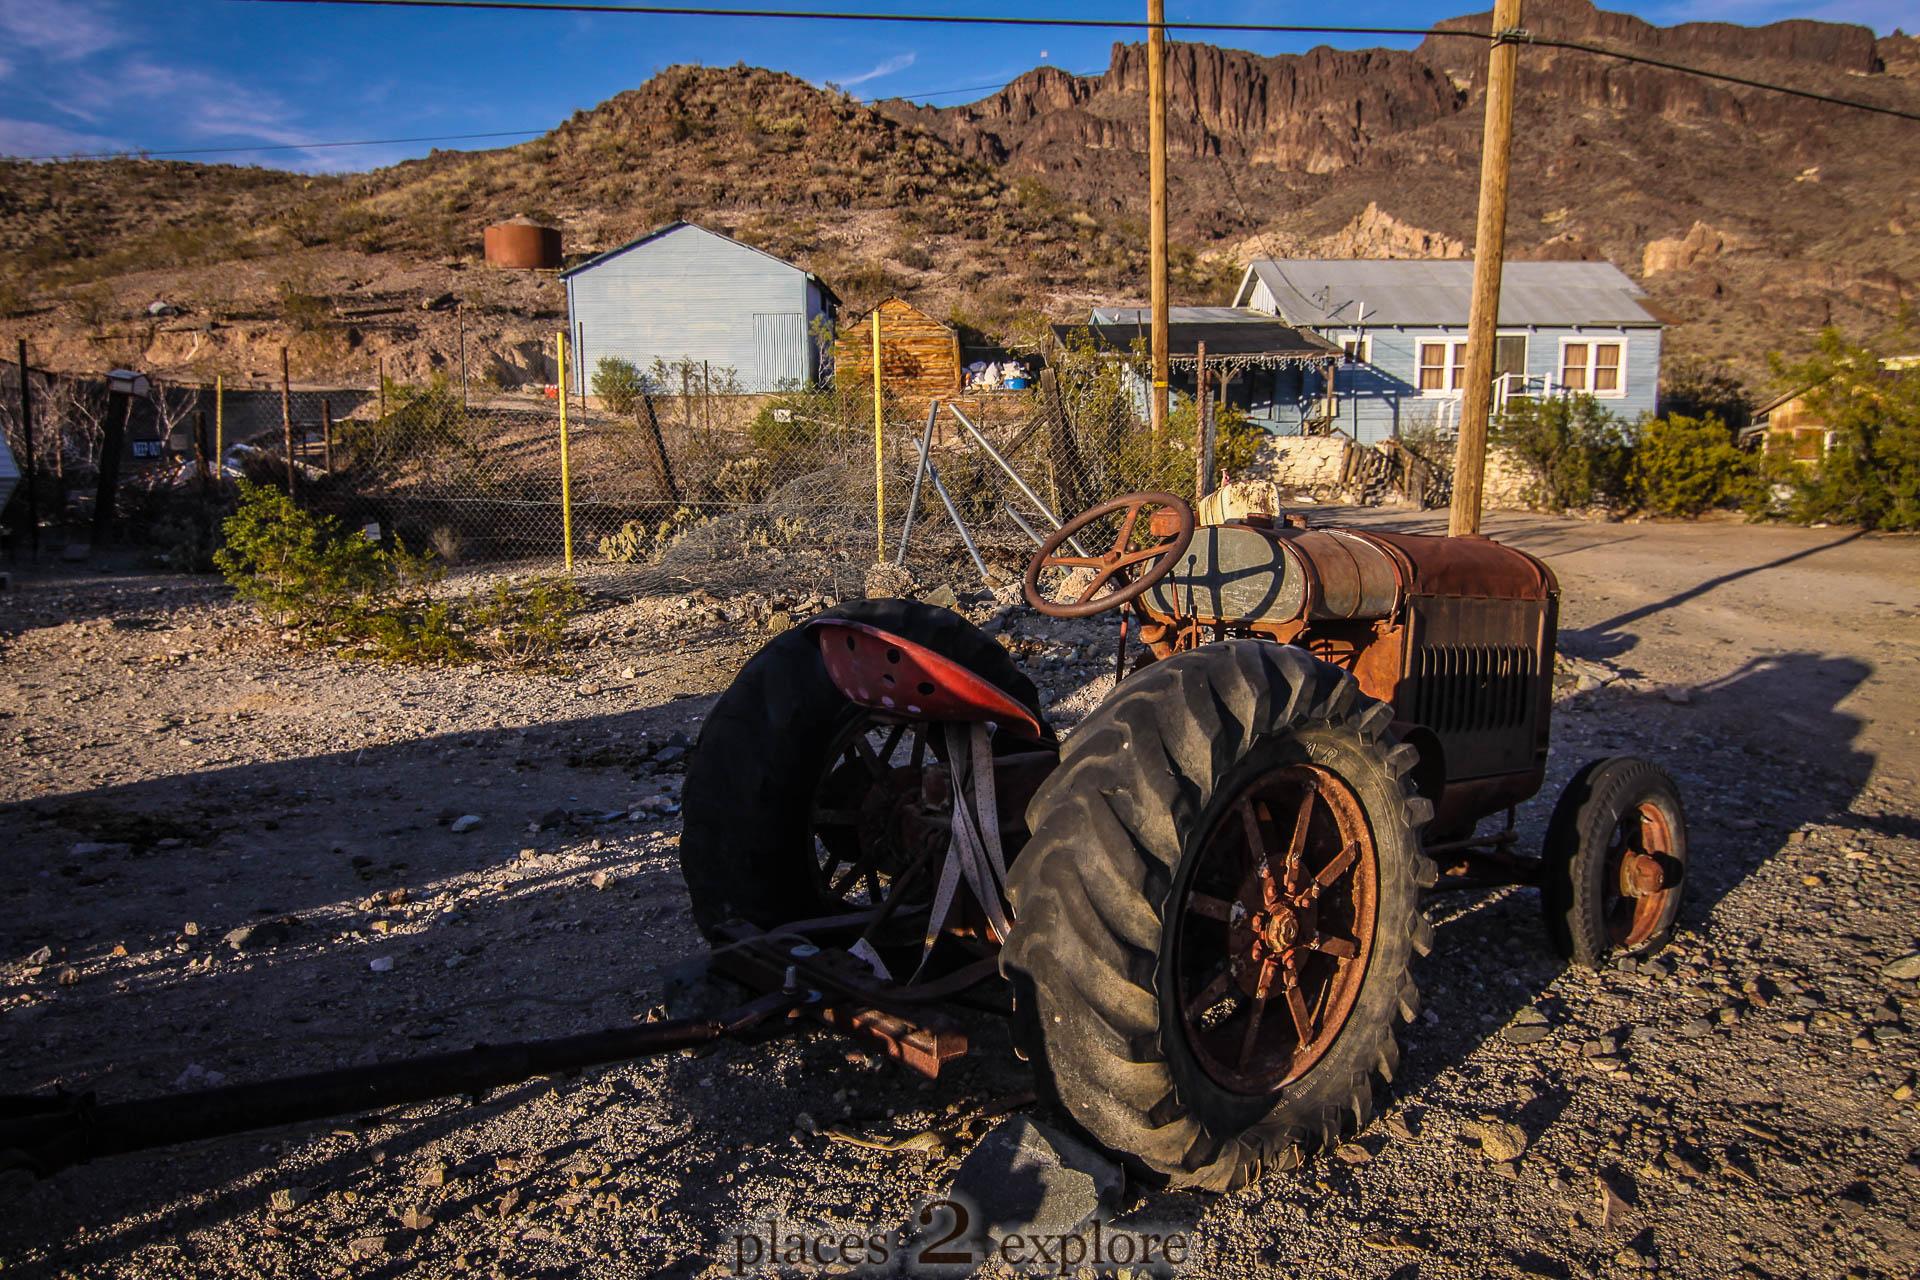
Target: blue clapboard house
[[1564, 328], [683, 293]]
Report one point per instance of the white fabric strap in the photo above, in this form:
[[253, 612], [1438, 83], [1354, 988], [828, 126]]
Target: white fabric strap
[[974, 853]]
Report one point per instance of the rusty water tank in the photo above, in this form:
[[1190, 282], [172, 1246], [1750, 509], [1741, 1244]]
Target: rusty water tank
[[523, 244]]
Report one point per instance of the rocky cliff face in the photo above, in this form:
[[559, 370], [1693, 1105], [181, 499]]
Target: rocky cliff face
[[1375, 153]]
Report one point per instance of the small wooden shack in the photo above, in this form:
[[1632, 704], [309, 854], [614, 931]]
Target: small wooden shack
[[918, 354]]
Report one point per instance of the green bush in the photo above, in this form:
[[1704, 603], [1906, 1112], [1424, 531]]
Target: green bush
[[618, 384], [1870, 472], [1684, 466], [336, 588], [1575, 453]]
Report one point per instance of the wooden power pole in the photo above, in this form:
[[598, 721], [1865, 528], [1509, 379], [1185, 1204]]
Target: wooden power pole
[[1489, 248], [1157, 203]]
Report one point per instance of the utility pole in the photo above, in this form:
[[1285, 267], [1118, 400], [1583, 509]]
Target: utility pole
[[1489, 249], [1157, 203]]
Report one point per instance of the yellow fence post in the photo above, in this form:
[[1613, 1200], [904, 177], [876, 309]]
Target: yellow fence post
[[566, 474], [219, 423], [879, 471]]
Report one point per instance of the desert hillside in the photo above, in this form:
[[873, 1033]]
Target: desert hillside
[[1752, 218]]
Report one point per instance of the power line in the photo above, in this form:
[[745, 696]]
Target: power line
[[1623, 56], [808, 15], [151, 153], [1101, 24], [143, 153]]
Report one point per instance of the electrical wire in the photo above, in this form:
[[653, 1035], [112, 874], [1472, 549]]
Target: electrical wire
[[809, 15], [150, 153]]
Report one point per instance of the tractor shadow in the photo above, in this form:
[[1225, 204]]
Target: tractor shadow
[[1758, 754]]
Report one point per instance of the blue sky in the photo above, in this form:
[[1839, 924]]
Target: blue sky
[[94, 75]]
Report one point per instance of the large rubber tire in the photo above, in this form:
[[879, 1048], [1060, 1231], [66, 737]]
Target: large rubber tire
[[1112, 829], [1573, 889], [745, 848]]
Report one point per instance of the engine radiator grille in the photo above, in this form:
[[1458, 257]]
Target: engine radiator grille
[[1470, 688]]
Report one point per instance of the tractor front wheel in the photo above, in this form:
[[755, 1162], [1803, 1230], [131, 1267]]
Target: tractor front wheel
[[1217, 912], [1616, 861]]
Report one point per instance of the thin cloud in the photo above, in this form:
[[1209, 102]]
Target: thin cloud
[[899, 62], [37, 138], [63, 30]]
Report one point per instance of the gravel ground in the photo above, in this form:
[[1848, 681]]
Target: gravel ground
[[229, 860]]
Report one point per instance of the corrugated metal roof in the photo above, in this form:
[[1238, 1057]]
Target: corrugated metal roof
[[1179, 315], [1412, 291], [670, 228], [1243, 334]]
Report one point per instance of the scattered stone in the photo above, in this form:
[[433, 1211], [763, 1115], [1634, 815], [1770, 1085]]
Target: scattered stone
[[191, 929], [1526, 1032], [1499, 1140], [600, 879], [377, 1246], [416, 1220], [778, 621], [198, 1077], [287, 1199], [1694, 1028], [464, 823], [1905, 969], [1678, 694], [1402, 1128], [672, 753], [381, 964], [43, 956], [1024, 1176], [1352, 1153], [69, 977], [1614, 1207], [100, 848], [258, 937], [941, 597]]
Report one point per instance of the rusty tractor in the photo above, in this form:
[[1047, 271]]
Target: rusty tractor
[[1207, 901], [1200, 911]]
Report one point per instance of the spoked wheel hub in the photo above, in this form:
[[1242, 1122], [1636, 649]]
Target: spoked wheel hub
[[1643, 875], [874, 830], [1280, 909]]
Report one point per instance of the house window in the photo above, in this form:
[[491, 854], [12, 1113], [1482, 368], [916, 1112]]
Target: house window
[[1443, 365], [1596, 368], [1358, 347]]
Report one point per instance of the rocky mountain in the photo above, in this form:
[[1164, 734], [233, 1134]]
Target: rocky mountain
[[1752, 218]]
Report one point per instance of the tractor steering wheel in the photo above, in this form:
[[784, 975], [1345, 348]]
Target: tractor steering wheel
[[1134, 569]]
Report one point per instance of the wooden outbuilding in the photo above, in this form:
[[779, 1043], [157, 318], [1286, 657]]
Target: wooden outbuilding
[[918, 354]]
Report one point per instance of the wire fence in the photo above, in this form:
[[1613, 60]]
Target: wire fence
[[647, 483]]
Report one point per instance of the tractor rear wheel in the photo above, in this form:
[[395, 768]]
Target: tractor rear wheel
[[1217, 912], [801, 804], [1616, 861]]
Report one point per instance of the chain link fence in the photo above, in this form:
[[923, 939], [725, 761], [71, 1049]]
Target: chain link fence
[[675, 479]]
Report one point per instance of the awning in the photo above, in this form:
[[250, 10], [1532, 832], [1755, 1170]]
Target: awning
[[1249, 343]]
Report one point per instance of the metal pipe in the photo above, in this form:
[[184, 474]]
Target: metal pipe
[[1025, 528], [1013, 475], [960, 526], [919, 472], [50, 1133]]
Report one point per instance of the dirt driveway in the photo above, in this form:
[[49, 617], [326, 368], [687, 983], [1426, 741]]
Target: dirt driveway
[[229, 861]]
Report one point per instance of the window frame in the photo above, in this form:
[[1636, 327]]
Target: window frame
[[1453, 367], [1358, 347], [1592, 344]]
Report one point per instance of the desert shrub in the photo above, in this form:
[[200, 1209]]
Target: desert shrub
[[1684, 466], [420, 422], [639, 541], [299, 568], [618, 384], [339, 589], [1696, 388], [1870, 472], [524, 621], [1574, 452], [303, 310]]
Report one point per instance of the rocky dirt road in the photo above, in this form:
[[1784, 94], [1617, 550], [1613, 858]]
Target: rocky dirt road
[[228, 861]]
